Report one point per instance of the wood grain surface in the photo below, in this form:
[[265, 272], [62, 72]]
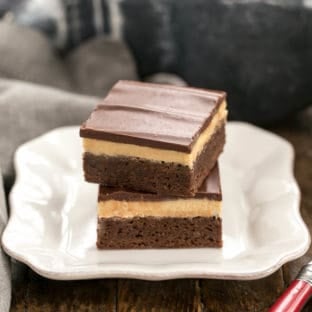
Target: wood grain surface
[[34, 293]]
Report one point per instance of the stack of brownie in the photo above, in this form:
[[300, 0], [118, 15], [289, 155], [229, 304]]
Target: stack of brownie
[[153, 150]]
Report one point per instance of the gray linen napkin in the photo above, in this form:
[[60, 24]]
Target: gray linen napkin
[[91, 68], [5, 279], [28, 110]]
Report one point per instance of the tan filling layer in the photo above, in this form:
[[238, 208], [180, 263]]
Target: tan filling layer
[[180, 208], [100, 147]]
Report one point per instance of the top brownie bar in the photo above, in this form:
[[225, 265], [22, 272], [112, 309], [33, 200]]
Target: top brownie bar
[[155, 138]]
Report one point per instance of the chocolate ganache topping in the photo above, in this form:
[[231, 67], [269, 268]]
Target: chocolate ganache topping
[[160, 116]]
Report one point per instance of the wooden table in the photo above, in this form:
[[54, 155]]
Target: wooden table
[[34, 293]]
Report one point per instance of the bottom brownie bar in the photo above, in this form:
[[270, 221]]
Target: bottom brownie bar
[[128, 219]]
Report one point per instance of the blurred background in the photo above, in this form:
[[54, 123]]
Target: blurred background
[[257, 51]]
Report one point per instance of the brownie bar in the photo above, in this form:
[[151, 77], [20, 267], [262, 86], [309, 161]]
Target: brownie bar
[[129, 219], [154, 138], [156, 177]]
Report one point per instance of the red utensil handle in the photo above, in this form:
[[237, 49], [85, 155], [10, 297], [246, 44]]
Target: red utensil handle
[[294, 297]]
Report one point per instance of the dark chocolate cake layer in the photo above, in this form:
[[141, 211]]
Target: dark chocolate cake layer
[[152, 232], [210, 189]]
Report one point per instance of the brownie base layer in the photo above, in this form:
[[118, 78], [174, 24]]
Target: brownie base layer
[[155, 177], [152, 232]]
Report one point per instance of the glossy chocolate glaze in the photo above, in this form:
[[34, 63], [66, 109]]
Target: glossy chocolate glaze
[[161, 116], [210, 189]]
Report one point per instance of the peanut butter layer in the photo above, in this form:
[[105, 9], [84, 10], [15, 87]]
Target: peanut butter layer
[[153, 115], [101, 147], [114, 202], [179, 208]]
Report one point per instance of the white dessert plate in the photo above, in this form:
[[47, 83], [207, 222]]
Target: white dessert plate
[[52, 227]]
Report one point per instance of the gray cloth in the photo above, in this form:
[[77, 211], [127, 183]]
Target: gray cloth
[[97, 64], [5, 280], [28, 110], [166, 78], [91, 68], [27, 55]]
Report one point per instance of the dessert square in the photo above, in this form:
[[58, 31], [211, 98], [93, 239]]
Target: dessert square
[[155, 138], [128, 219]]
